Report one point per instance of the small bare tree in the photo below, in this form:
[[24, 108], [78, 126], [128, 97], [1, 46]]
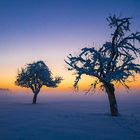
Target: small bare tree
[[34, 76], [113, 62]]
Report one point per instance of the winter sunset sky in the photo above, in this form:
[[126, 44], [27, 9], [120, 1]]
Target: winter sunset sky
[[49, 30]]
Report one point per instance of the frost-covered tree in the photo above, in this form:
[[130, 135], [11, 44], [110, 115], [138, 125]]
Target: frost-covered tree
[[113, 63], [34, 76]]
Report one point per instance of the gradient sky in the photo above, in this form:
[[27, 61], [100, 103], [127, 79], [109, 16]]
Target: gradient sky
[[49, 30]]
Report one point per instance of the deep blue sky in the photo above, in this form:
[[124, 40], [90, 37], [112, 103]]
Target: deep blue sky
[[51, 29], [57, 19]]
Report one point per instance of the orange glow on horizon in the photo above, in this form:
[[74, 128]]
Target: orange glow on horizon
[[66, 85]]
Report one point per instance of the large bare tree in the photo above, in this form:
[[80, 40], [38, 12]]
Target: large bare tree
[[34, 76], [114, 62]]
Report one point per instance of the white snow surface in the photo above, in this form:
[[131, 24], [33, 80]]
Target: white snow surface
[[68, 117]]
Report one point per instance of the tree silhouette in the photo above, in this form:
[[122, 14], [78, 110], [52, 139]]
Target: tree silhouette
[[113, 63], [34, 76]]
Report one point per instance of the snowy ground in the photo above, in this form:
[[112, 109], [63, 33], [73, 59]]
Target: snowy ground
[[65, 118]]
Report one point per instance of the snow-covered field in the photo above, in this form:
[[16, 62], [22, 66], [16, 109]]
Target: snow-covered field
[[68, 118]]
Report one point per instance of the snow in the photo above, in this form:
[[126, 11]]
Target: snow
[[114, 61], [68, 117]]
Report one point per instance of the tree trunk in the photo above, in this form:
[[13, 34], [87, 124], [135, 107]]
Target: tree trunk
[[35, 98], [112, 99]]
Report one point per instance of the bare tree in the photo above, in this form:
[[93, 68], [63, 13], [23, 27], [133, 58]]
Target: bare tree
[[34, 76], [113, 63]]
